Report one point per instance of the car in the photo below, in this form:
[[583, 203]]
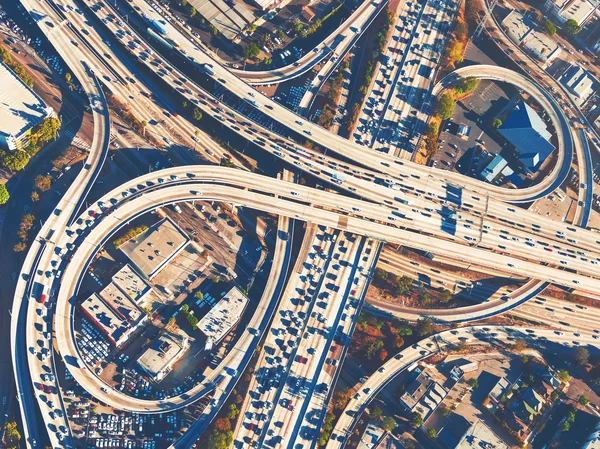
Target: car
[[294, 193]]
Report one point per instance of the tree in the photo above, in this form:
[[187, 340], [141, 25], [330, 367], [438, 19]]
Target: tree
[[144, 124], [193, 11], [566, 426], [473, 383], [199, 295], [554, 395], [550, 28], [582, 356], [197, 114], [377, 414], [466, 85], [4, 195], [68, 78], [563, 375], [223, 424], [341, 399], [446, 411], [432, 433], [184, 2], [388, 423], [572, 26], [520, 345], [233, 411], [496, 123], [268, 61], [280, 34], [373, 349], [446, 296], [213, 30], [21, 246], [43, 183], [424, 326], [445, 106], [15, 161], [35, 196], [583, 400], [11, 434], [417, 420], [251, 51], [220, 440], [171, 321]]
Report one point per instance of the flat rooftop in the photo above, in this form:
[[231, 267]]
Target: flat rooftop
[[20, 107], [130, 283], [479, 435], [518, 26], [161, 353], [224, 315], [121, 304], [151, 250], [108, 322]]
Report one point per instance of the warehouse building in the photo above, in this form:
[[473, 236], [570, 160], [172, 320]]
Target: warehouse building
[[579, 82], [131, 284], [20, 110], [115, 327], [523, 32], [162, 354], [527, 132], [152, 250], [223, 317]]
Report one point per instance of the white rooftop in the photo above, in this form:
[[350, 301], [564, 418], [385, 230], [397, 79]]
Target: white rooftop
[[578, 10], [20, 107], [121, 304], [479, 436], [161, 353], [224, 315], [130, 283]]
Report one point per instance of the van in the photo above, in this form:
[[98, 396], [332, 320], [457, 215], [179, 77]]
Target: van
[[177, 208], [167, 291]]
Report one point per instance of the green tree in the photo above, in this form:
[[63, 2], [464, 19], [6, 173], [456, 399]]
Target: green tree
[[445, 106], [473, 383], [554, 395], [563, 375], [199, 295], [220, 440], [68, 78], [233, 411], [566, 426], [417, 420], [11, 434], [388, 423], [582, 356], [213, 29], [268, 61], [251, 51], [572, 26], [424, 327], [550, 28], [496, 123], [171, 321], [432, 433], [466, 85], [15, 161], [197, 114], [377, 414], [193, 11], [583, 400], [373, 349], [280, 34], [184, 2], [4, 195], [446, 296]]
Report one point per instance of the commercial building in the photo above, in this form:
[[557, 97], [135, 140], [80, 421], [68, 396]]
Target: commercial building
[[523, 31], [423, 395], [579, 82], [493, 169], [131, 284], [20, 110], [229, 20], [480, 436], [114, 327], [578, 10], [153, 249], [593, 441], [223, 317], [124, 307], [160, 356], [528, 133]]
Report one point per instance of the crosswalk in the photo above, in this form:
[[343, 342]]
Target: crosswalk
[[77, 141]]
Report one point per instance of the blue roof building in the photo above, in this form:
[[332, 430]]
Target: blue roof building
[[494, 168], [527, 132]]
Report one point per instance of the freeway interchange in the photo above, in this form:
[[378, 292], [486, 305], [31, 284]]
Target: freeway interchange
[[384, 200]]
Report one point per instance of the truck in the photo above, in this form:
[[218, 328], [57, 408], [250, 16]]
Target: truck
[[156, 24], [177, 208], [207, 68], [402, 200], [39, 292]]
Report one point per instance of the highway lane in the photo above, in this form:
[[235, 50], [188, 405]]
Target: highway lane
[[356, 24], [377, 161], [442, 342], [27, 327]]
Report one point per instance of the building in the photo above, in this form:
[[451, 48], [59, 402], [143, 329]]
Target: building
[[308, 14], [372, 437], [124, 307], [228, 18], [593, 441], [523, 32], [527, 132], [266, 4], [152, 250], [131, 284], [20, 110], [223, 317], [578, 10], [579, 82], [160, 356], [114, 327], [480, 436], [534, 400], [493, 169], [423, 395], [499, 389]]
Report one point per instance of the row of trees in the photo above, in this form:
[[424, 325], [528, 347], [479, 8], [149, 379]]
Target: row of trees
[[7, 59], [128, 235], [333, 96]]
